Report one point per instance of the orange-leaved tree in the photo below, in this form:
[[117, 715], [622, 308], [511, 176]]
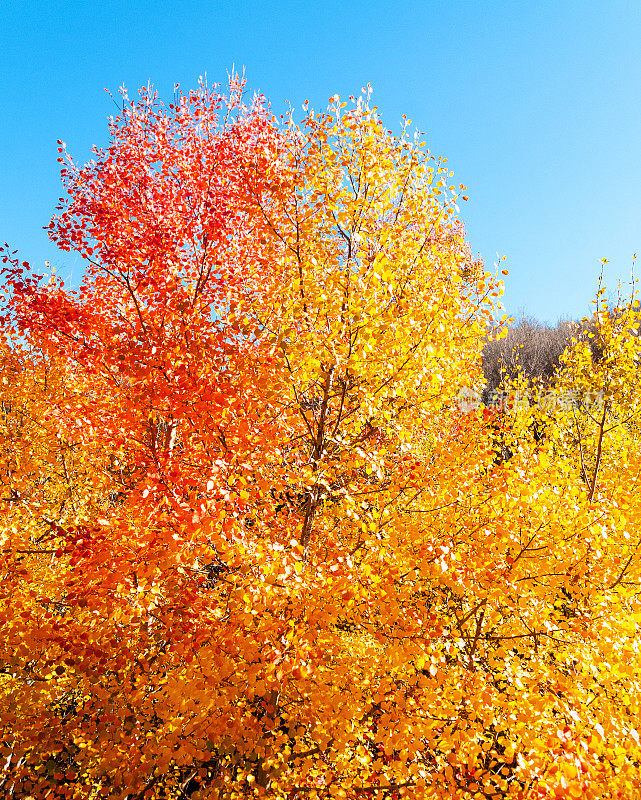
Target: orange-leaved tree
[[251, 545]]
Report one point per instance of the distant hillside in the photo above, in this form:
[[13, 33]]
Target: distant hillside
[[530, 348]]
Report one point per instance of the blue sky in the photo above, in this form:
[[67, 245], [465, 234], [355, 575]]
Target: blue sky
[[536, 106]]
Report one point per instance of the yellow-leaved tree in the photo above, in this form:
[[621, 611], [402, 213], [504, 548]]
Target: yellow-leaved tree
[[252, 545]]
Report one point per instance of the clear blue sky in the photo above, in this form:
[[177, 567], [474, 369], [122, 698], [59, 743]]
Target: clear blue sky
[[536, 106]]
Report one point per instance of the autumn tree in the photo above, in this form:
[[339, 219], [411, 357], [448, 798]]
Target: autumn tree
[[251, 544]]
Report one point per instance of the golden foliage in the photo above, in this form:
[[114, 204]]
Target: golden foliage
[[250, 543]]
